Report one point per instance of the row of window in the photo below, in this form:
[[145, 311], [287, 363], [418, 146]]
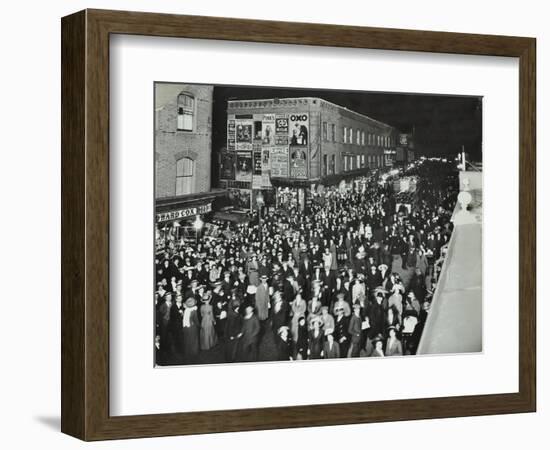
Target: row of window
[[357, 136], [351, 162]]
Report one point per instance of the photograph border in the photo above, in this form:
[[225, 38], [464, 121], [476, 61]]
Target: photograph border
[[85, 229]]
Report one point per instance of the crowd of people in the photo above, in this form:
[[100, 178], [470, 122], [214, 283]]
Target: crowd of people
[[353, 276]]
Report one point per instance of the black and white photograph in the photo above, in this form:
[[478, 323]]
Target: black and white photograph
[[298, 224]]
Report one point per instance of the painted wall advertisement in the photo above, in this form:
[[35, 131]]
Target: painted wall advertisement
[[279, 161], [243, 134], [227, 166], [244, 166], [298, 162]]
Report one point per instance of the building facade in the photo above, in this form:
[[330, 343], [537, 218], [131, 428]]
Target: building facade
[[290, 145], [183, 153]]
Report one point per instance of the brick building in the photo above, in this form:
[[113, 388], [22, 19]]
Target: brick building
[[291, 145], [183, 147]]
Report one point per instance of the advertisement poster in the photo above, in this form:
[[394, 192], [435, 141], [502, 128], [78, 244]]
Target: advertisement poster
[[257, 130], [298, 132], [279, 162], [244, 166], [227, 166], [268, 129], [298, 162], [257, 166], [243, 138], [230, 135], [266, 168], [240, 198], [281, 125]]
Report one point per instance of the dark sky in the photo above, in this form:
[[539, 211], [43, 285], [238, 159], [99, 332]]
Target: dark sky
[[442, 123]]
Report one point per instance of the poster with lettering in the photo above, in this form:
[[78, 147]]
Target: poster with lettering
[[281, 124], [298, 161], [231, 135], [227, 166], [268, 129], [266, 168], [279, 162], [298, 132], [257, 159], [244, 166], [243, 135]]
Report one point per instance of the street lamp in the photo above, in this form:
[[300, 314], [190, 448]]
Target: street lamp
[[198, 224]]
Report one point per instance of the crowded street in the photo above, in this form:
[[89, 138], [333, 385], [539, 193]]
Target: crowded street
[[351, 277]]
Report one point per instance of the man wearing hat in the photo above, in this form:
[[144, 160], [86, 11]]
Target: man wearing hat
[[331, 348], [355, 331], [249, 335], [232, 331]]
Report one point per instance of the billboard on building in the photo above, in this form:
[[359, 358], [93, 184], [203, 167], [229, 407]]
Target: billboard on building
[[244, 166], [298, 129], [231, 134], [266, 167], [243, 134], [268, 129], [298, 161], [279, 162], [227, 166]]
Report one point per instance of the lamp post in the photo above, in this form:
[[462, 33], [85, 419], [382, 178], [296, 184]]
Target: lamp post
[[260, 204], [198, 224]]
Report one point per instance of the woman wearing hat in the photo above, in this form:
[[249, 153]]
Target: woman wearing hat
[[316, 339], [191, 331], [208, 337], [298, 310], [378, 350]]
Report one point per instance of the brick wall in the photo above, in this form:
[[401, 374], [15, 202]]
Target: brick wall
[[171, 144]]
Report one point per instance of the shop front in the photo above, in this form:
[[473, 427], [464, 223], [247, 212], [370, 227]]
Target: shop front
[[180, 220]]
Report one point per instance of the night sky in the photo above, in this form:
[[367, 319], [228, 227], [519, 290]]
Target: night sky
[[441, 123]]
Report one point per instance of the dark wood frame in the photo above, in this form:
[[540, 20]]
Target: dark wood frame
[[85, 224]]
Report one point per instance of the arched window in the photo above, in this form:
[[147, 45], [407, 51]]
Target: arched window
[[185, 176], [186, 112]]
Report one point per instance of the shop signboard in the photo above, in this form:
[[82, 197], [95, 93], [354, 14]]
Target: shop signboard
[[183, 213], [298, 162], [279, 162], [244, 166], [227, 166]]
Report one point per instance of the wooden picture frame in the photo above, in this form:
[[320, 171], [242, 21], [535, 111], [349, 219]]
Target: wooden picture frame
[[85, 224]]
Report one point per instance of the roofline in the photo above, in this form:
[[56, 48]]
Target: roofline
[[316, 98]]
